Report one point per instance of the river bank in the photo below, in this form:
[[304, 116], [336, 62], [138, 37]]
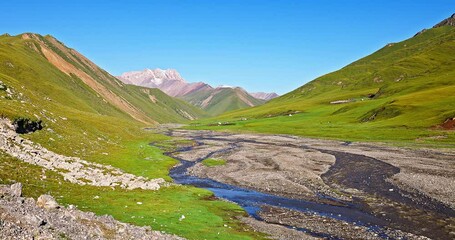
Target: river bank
[[400, 188]]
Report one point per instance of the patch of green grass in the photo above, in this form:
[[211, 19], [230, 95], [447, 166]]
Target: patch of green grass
[[204, 218], [211, 162]]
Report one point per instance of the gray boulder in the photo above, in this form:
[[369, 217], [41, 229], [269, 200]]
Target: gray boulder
[[47, 202], [16, 189]]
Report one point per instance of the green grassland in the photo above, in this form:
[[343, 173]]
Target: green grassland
[[79, 122], [204, 218], [413, 83], [211, 162], [399, 94]]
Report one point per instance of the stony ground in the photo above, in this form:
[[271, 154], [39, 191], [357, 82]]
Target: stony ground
[[286, 161], [330, 226], [415, 191], [277, 169], [277, 231], [27, 218]]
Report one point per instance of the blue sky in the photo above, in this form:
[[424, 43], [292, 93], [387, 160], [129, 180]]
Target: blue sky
[[257, 44]]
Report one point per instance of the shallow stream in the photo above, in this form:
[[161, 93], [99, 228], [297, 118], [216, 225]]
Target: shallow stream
[[408, 211], [251, 200]]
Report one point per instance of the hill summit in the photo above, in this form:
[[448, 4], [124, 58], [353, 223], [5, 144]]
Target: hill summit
[[446, 22]]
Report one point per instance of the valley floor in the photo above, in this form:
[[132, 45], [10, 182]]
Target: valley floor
[[291, 187], [396, 192]]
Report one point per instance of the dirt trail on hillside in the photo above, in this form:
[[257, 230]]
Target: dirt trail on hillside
[[413, 191]]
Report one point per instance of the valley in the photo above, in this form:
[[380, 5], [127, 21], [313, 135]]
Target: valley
[[364, 152]]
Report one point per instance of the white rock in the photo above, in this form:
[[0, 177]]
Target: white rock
[[16, 189], [47, 202]]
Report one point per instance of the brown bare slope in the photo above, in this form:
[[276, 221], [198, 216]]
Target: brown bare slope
[[148, 106]]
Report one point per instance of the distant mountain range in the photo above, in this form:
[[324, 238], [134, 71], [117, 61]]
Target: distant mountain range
[[213, 100], [264, 96]]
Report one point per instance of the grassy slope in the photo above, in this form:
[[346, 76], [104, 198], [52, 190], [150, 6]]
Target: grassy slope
[[78, 122], [223, 100], [204, 218], [414, 83]]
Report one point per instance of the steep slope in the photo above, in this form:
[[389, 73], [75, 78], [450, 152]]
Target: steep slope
[[43, 69], [71, 130], [404, 91], [222, 99], [199, 94]]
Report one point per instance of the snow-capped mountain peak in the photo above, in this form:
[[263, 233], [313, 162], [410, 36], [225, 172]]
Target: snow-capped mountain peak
[[151, 77]]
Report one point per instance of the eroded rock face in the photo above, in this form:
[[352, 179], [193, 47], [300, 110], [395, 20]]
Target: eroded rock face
[[25, 218]]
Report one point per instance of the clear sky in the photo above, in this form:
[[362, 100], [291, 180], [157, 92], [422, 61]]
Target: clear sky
[[257, 44]]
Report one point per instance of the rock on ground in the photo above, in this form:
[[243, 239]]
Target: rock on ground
[[25, 218]]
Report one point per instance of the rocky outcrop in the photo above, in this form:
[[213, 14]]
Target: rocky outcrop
[[73, 169], [25, 218], [447, 22]]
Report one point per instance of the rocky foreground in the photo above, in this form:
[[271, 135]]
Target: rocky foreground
[[27, 218]]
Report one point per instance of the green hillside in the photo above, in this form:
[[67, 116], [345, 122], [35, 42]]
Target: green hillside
[[80, 86], [403, 92], [221, 100], [85, 112]]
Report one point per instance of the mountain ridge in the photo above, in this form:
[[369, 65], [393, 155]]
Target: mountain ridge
[[170, 82], [264, 95], [53, 55], [450, 21], [403, 91]]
